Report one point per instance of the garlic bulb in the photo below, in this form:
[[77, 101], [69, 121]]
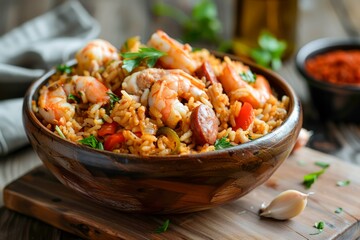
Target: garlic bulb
[[286, 205]]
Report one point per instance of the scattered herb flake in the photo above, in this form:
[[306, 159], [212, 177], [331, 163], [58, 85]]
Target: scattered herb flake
[[338, 210], [322, 164], [319, 226], [310, 178], [73, 98], [163, 227], [248, 76], [146, 55], [58, 130], [91, 141], [343, 183], [113, 99], [222, 143], [63, 68]]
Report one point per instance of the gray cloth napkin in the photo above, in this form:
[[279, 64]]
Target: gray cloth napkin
[[30, 50]]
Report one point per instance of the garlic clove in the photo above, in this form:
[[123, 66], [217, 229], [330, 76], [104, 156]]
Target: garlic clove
[[286, 205]]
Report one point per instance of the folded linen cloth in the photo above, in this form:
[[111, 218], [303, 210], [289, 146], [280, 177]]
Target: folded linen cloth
[[30, 50]]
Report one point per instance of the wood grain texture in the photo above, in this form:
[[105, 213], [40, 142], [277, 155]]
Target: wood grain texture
[[40, 195]]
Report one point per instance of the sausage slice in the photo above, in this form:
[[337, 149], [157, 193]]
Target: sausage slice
[[205, 70], [204, 125]]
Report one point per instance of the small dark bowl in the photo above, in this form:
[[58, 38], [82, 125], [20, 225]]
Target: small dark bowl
[[171, 184], [335, 102]]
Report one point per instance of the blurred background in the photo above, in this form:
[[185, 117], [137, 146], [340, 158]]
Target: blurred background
[[120, 20]]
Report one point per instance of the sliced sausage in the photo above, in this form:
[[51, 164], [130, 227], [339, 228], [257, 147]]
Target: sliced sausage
[[205, 70], [204, 125]]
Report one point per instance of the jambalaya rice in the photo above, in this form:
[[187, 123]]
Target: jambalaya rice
[[173, 107]]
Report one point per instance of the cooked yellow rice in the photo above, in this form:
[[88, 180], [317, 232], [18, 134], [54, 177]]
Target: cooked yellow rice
[[133, 117]]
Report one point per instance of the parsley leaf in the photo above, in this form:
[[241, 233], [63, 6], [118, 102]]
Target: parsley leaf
[[91, 141], [269, 52], [73, 98], [147, 55], [163, 227], [222, 143], [113, 99], [343, 183], [202, 24], [338, 210], [63, 68], [248, 76], [322, 164], [319, 226], [310, 178]]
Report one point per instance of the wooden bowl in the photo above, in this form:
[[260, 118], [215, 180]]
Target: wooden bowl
[[171, 184]]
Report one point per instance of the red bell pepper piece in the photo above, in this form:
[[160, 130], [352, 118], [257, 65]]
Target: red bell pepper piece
[[246, 116]]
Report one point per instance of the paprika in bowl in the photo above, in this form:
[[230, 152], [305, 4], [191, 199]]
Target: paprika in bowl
[[330, 67]]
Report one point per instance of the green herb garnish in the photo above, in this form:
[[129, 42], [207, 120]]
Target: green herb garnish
[[310, 178], [73, 98], [248, 76], [113, 99], [91, 141], [269, 52], [222, 143], [63, 68], [58, 130], [163, 227], [343, 183], [147, 55], [319, 226], [202, 24], [322, 164], [338, 210]]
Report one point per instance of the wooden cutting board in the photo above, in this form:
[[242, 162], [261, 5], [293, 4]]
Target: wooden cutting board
[[40, 195]]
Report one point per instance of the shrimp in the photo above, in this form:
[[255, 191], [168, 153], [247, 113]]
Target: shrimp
[[165, 100], [166, 87], [93, 90], [178, 55], [237, 89], [95, 54], [53, 105]]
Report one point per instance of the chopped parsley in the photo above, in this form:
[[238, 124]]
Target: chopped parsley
[[91, 141], [248, 76], [113, 99], [58, 130], [310, 178], [222, 143], [163, 227], [322, 164], [319, 226], [147, 55], [338, 210], [73, 98], [343, 183], [63, 68]]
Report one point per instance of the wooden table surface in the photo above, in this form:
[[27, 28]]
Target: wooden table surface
[[317, 19]]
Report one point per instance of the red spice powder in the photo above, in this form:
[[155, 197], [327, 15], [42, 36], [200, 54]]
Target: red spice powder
[[339, 67]]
